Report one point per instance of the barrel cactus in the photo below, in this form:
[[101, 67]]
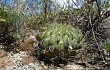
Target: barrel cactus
[[56, 38]]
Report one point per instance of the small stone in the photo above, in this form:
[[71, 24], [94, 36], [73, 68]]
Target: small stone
[[2, 53], [2, 68], [26, 60], [45, 67], [28, 44], [73, 66], [6, 61]]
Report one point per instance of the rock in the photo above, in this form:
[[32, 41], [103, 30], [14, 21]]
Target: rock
[[28, 44], [6, 61], [2, 68], [26, 60], [73, 66], [2, 46], [2, 53]]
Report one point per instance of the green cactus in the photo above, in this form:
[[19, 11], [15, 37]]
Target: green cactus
[[60, 37], [106, 46]]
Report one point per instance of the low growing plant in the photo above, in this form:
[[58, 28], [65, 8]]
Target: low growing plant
[[56, 38]]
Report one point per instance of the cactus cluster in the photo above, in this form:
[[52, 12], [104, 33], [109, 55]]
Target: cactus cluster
[[59, 37]]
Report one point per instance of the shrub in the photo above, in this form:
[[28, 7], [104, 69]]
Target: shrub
[[7, 26]]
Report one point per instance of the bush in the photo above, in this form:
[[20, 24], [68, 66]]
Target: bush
[[7, 27], [38, 21]]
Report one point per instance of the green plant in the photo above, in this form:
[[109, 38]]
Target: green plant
[[106, 46], [39, 21], [59, 37], [7, 26]]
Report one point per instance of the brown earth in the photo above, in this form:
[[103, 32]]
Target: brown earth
[[5, 60]]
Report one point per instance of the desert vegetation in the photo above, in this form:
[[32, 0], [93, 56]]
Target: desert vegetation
[[55, 35]]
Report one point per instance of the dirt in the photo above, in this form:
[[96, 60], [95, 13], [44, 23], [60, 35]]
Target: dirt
[[5, 60]]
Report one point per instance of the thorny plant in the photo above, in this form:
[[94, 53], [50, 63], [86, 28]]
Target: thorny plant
[[91, 24]]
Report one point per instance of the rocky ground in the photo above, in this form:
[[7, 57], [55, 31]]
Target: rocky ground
[[23, 61]]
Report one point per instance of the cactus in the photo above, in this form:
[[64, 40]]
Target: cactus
[[106, 46], [60, 37]]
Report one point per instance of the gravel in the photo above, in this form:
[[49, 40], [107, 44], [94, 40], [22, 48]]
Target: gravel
[[37, 65]]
